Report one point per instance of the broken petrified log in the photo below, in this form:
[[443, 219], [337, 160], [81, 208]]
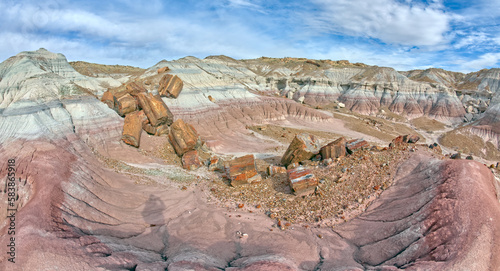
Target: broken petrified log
[[242, 170], [303, 147], [132, 128], [334, 149], [133, 89], [183, 137], [170, 86], [107, 98], [157, 131], [156, 110], [302, 181], [191, 160], [404, 139], [124, 103], [356, 145]]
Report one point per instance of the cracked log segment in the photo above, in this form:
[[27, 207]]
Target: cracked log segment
[[170, 86], [155, 109], [124, 103], [303, 147], [133, 89], [132, 128], [334, 149], [242, 170], [108, 99], [302, 181], [183, 137], [191, 160], [157, 131]]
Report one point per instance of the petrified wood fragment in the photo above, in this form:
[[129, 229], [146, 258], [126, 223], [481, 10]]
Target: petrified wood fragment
[[170, 86], [191, 160], [302, 181], [132, 128], [133, 88], [334, 149], [154, 107], [303, 147], [242, 170], [183, 137], [356, 145], [124, 103]]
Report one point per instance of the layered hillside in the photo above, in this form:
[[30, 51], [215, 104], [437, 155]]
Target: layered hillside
[[87, 201]]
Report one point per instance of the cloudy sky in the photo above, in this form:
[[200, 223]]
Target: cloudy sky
[[459, 35]]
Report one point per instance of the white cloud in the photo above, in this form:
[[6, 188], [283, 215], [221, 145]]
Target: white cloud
[[485, 60], [390, 21]]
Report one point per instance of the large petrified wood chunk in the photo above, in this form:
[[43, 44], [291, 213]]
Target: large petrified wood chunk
[[303, 147], [170, 86], [132, 128], [302, 181], [334, 149], [107, 98], [183, 137], [124, 103], [355, 145], [242, 170], [154, 107], [133, 88]]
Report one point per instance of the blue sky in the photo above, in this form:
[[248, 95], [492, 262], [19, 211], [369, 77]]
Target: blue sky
[[404, 34]]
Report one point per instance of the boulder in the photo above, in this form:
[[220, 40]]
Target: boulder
[[191, 160], [107, 98], [170, 86], [302, 181], [273, 170], [156, 110], [334, 149], [132, 128], [183, 137], [436, 148], [303, 147], [124, 103], [411, 139], [456, 156], [242, 170], [133, 89], [356, 145]]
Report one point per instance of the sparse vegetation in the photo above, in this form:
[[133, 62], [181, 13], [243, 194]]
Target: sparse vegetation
[[463, 141], [426, 124], [94, 70]]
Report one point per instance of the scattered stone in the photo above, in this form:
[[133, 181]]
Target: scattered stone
[[412, 139], [356, 145], [302, 181], [124, 103], [469, 157], [191, 160], [273, 170], [456, 156], [292, 165], [170, 86], [183, 137], [108, 99], [341, 105], [132, 128], [216, 164], [156, 110], [242, 170], [303, 147], [163, 69], [241, 205], [210, 98], [435, 147], [334, 149], [133, 89]]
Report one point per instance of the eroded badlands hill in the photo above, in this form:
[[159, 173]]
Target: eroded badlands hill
[[87, 201]]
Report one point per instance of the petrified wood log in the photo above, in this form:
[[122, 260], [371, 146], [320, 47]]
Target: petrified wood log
[[154, 107], [303, 147], [124, 103], [242, 171], [183, 137], [170, 86], [132, 128]]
